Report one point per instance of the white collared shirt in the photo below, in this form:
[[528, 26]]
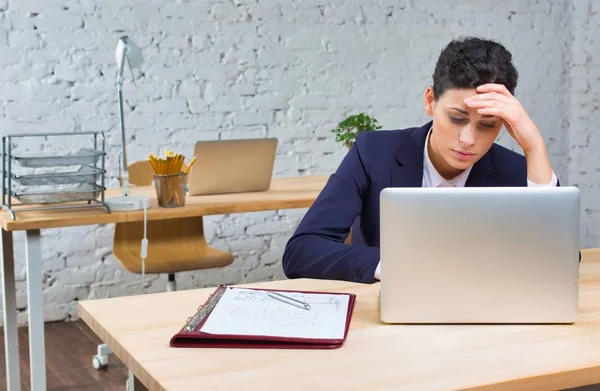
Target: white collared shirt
[[432, 178]]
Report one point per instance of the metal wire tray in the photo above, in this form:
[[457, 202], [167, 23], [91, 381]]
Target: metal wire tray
[[84, 174], [83, 192], [84, 156]]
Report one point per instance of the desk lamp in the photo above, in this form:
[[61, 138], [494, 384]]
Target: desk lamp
[[127, 51]]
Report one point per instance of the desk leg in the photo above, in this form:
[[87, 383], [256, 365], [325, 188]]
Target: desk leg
[[134, 384], [11, 333], [35, 309]]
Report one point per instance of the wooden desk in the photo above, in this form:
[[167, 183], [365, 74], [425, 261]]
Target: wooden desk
[[285, 193], [375, 357]]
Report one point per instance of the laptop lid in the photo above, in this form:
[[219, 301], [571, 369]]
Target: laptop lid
[[479, 255], [232, 166]]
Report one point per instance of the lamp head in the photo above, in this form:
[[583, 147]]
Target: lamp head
[[128, 50]]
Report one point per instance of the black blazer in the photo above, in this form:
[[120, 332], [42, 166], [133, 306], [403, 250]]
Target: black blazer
[[380, 159]]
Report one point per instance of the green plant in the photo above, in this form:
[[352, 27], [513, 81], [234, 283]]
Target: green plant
[[347, 130]]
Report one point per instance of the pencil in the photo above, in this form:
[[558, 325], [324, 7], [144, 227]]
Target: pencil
[[187, 170]]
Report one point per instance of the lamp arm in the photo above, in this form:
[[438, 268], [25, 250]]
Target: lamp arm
[[119, 84]]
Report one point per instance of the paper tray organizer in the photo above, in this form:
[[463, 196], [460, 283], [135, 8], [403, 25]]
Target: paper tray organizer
[[53, 180]]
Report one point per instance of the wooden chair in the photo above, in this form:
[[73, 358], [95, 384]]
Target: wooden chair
[[173, 245]]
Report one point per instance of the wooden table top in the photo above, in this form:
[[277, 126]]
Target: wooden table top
[[375, 356], [287, 192]]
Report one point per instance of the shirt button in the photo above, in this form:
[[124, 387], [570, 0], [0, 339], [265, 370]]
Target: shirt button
[[356, 276]]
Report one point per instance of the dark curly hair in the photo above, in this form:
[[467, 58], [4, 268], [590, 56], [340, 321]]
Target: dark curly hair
[[469, 62]]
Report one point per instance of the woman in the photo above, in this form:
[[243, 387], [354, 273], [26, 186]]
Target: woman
[[470, 101]]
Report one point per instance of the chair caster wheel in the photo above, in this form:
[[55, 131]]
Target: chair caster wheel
[[100, 362]]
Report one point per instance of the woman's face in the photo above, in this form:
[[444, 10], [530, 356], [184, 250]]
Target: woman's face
[[460, 136]]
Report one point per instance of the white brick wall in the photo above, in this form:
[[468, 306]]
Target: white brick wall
[[285, 69], [582, 151]]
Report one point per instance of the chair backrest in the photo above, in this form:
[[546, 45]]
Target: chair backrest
[[140, 173]]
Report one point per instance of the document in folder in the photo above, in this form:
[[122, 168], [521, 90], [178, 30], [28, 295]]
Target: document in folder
[[263, 318]]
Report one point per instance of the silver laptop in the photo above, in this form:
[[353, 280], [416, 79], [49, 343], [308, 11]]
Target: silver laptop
[[479, 255], [232, 166]]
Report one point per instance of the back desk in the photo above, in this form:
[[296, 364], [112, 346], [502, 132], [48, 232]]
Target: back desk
[[285, 193]]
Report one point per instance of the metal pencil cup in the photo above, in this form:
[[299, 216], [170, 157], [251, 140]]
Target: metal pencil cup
[[170, 189]]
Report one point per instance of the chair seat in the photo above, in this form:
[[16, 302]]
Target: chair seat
[[174, 245]]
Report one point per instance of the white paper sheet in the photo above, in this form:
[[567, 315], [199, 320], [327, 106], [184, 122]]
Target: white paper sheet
[[253, 312]]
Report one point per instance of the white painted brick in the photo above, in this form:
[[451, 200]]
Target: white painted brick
[[10, 56], [172, 121], [256, 216], [302, 14], [204, 59], [262, 12], [289, 116], [18, 21], [231, 229], [189, 88], [243, 89], [273, 57], [244, 132], [327, 145], [293, 213], [310, 116], [113, 289], [182, 41], [313, 101], [279, 85], [260, 118], [36, 6], [37, 71], [271, 257], [171, 73], [280, 241], [224, 103], [226, 275], [268, 102], [246, 244], [53, 263], [240, 58], [59, 40], [290, 132], [58, 21], [163, 106], [55, 311], [268, 227], [3, 36], [197, 105], [304, 41], [40, 91], [265, 273], [284, 166], [31, 110], [61, 293], [194, 134], [175, 9]]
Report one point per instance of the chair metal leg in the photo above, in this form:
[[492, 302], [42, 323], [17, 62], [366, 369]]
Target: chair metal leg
[[171, 284], [100, 360]]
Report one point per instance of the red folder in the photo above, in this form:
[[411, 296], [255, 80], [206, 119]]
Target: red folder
[[191, 335]]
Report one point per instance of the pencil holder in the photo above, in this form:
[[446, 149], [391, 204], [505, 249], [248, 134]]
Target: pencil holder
[[170, 189]]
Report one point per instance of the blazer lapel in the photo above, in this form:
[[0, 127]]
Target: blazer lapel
[[408, 172], [481, 173]]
